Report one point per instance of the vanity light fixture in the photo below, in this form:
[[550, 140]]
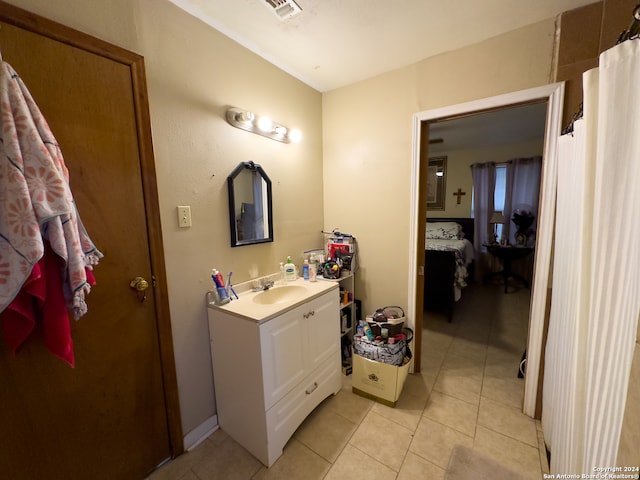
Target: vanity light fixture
[[262, 125]]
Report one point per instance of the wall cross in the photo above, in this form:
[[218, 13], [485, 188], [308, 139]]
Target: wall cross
[[459, 194]]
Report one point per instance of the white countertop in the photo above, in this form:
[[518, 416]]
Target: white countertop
[[246, 308]]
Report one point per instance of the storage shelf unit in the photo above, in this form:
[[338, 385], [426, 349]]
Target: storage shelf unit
[[347, 318], [348, 308], [343, 248]]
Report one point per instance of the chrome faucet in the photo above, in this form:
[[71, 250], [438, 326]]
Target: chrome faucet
[[263, 285]]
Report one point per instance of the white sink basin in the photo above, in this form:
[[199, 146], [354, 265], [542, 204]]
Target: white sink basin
[[263, 306], [282, 294]]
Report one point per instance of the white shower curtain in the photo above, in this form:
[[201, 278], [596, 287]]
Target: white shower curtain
[[596, 274]]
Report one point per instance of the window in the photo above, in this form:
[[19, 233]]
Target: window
[[500, 193]]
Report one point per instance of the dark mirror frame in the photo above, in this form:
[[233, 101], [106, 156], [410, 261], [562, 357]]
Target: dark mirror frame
[[253, 167]]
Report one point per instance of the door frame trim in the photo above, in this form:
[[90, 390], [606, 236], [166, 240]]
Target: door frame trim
[[554, 94], [43, 26]]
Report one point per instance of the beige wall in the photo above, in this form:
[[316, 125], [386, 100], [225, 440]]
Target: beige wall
[[368, 139], [459, 171], [193, 78], [193, 74]]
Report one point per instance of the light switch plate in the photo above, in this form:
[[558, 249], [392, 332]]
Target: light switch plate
[[184, 216]]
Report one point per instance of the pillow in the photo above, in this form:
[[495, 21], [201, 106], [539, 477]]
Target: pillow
[[444, 231]]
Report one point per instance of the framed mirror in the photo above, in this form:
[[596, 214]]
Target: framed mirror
[[436, 183], [250, 213]]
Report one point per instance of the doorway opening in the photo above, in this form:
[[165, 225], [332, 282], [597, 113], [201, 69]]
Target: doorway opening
[[552, 95]]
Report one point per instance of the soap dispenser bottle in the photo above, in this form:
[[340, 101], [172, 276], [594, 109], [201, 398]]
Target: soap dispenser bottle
[[305, 270], [289, 270]]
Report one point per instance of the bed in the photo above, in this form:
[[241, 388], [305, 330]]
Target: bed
[[448, 262]]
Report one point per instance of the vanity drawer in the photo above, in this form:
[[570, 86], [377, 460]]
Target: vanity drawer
[[286, 416]]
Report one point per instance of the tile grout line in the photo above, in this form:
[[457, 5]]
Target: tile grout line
[[348, 440]]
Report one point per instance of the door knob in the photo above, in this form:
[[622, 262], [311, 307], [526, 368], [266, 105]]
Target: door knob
[[139, 284]]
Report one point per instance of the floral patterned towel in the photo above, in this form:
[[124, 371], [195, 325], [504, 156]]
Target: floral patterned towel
[[35, 200]]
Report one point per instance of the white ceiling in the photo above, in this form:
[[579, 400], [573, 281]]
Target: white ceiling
[[507, 125], [333, 43]]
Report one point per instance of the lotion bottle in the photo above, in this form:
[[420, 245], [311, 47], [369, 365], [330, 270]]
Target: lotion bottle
[[313, 272], [289, 270]]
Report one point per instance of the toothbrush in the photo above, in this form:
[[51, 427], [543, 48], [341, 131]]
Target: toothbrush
[[229, 284], [231, 287]]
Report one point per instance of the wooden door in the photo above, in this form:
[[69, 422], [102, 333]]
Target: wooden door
[[115, 415], [420, 244]]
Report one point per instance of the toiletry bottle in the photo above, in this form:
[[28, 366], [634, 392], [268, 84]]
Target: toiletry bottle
[[289, 270], [366, 329], [305, 270], [313, 272], [282, 278]]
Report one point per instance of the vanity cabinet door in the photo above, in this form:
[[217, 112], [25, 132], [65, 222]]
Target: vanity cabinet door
[[323, 337], [296, 343], [283, 356]]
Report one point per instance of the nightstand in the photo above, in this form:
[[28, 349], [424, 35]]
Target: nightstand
[[507, 253]]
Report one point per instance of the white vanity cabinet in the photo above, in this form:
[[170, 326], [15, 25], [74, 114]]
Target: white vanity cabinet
[[269, 375]]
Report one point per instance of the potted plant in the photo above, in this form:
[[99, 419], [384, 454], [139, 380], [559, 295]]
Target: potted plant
[[523, 218]]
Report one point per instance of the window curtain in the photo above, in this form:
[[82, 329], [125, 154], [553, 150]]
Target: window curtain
[[484, 183], [522, 188], [596, 281]]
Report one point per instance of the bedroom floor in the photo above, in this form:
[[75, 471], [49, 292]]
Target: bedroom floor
[[467, 394]]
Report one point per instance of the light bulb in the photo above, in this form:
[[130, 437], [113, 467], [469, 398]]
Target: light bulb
[[295, 136], [245, 117], [265, 124]]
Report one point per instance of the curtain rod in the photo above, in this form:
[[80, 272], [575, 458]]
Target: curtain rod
[[634, 29], [631, 33]]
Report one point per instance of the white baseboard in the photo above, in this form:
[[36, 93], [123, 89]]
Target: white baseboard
[[200, 433]]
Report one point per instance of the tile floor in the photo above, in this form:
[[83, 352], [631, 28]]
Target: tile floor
[[467, 393]]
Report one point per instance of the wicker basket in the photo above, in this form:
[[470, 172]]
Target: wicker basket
[[394, 325], [392, 318]]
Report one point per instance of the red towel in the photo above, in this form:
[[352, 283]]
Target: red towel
[[41, 299], [19, 318]]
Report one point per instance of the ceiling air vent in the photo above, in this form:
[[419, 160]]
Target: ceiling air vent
[[283, 9]]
